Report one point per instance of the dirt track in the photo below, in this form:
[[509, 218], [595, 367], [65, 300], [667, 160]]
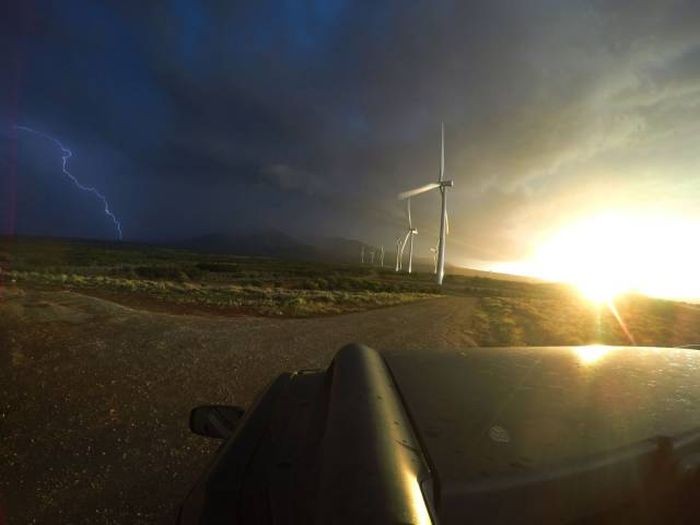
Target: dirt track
[[94, 397]]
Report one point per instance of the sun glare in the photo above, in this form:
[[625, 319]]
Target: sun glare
[[599, 286], [589, 355], [609, 254]]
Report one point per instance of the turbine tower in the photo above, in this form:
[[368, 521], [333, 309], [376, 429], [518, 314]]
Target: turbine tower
[[442, 185], [410, 233], [434, 251], [381, 256]]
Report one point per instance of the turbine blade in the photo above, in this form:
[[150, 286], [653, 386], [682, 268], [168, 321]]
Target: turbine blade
[[447, 223], [417, 191], [442, 152], [405, 240], [408, 208]]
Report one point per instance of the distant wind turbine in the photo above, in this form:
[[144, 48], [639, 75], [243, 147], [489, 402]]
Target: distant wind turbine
[[434, 251], [442, 185], [410, 233], [398, 254]]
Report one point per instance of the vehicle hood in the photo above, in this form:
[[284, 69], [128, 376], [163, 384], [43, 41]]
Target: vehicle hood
[[496, 412]]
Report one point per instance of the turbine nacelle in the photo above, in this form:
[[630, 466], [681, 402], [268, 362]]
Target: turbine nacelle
[[428, 187]]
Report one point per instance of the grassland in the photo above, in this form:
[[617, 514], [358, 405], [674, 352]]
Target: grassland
[[569, 320], [180, 280], [508, 313]]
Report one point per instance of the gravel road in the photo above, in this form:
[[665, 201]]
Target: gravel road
[[94, 396]]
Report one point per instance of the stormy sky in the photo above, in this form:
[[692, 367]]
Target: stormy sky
[[310, 116]]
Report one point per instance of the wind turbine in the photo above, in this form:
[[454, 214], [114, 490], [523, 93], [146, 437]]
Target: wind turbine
[[362, 254], [398, 254], [434, 251], [410, 233], [381, 256], [442, 185]]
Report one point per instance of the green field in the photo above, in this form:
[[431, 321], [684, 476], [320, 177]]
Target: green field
[[506, 313]]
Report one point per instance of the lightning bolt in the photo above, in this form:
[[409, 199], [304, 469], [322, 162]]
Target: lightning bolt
[[66, 154]]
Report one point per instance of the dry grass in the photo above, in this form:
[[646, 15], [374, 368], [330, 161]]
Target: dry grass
[[249, 299], [570, 320]]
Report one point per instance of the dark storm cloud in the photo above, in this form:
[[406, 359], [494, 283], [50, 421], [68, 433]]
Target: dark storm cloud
[[315, 115]]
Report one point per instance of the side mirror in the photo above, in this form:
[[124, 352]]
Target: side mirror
[[215, 421]]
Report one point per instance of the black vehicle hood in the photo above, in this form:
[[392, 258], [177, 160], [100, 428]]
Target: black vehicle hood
[[497, 435], [512, 433], [490, 411]]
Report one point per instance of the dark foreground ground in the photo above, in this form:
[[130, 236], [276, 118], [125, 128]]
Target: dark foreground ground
[[94, 397]]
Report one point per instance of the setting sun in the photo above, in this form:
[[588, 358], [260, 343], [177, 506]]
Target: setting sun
[[599, 289], [608, 254]]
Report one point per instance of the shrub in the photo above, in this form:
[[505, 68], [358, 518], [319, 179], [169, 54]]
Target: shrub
[[218, 267], [172, 273]]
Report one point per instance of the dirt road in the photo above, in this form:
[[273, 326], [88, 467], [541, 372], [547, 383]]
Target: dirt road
[[94, 397]]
